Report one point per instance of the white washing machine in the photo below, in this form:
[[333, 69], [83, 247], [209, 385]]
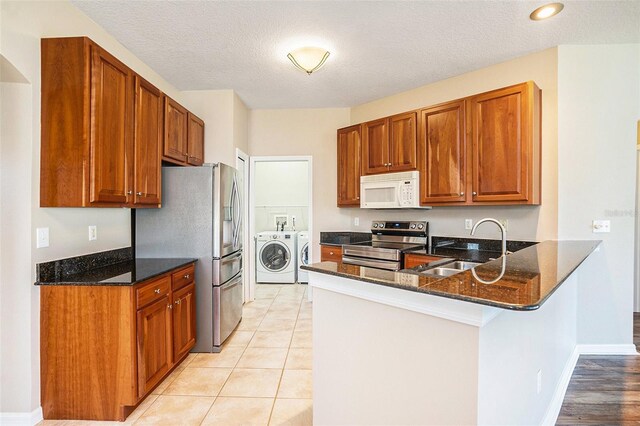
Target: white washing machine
[[276, 257], [303, 256]]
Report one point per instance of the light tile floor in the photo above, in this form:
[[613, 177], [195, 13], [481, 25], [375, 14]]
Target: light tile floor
[[261, 377]]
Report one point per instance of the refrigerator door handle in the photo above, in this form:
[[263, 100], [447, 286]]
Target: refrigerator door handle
[[235, 215]]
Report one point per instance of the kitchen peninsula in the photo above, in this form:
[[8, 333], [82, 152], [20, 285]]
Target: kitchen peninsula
[[492, 345]]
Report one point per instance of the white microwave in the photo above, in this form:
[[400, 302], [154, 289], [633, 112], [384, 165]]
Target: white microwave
[[391, 191]]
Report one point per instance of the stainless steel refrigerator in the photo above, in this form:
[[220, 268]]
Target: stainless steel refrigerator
[[201, 217]]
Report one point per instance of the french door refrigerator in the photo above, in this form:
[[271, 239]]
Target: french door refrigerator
[[201, 218]]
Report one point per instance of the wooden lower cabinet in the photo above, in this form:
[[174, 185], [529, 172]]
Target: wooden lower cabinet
[[105, 347], [330, 253], [184, 320], [413, 260]]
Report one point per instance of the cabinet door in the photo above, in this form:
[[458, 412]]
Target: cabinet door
[[175, 131], [147, 143], [442, 153], [154, 344], [110, 147], [349, 154], [375, 147], [184, 321], [195, 141], [502, 144], [403, 142]]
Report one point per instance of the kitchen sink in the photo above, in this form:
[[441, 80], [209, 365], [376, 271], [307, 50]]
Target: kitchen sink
[[450, 268], [461, 265]]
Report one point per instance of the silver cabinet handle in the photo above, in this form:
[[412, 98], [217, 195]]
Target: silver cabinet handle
[[138, 193], [187, 276], [177, 302], [462, 194], [331, 253], [129, 192], [170, 306], [156, 291], [474, 193]]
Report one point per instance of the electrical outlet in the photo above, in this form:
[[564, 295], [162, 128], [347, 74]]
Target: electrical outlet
[[93, 232], [601, 226], [356, 221], [505, 223], [539, 381], [468, 224], [42, 237]]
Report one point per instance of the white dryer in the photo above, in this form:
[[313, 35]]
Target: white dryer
[[303, 256], [276, 257]]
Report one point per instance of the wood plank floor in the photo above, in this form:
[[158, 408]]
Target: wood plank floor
[[604, 390]]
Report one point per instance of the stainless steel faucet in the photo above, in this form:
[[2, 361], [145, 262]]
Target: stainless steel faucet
[[502, 230]]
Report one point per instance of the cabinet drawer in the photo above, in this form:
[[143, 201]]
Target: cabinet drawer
[[183, 277], [411, 260], [148, 293], [331, 253]]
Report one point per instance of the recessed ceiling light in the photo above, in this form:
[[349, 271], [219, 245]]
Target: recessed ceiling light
[[546, 11]]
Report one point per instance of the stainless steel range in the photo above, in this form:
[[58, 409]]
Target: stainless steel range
[[389, 242]]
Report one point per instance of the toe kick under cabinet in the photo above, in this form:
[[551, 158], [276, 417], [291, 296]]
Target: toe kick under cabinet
[[105, 347]]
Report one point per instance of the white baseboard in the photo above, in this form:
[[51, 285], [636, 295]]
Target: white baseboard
[[21, 419], [553, 409], [629, 349]]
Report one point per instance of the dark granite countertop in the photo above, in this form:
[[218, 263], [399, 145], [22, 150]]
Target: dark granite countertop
[[341, 238], [125, 273], [113, 267], [530, 276]]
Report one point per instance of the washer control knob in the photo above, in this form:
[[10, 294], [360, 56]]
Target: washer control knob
[[420, 226], [381, 224], [375, 225], [413, 226], [274, 236]]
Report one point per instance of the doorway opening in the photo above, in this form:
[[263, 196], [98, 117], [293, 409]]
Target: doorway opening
[[280, 206]]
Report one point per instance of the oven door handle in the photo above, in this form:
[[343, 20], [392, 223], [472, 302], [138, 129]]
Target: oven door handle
[[389, 266]]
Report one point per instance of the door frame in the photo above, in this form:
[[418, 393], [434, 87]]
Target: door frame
[[252, 220], [247, 291]]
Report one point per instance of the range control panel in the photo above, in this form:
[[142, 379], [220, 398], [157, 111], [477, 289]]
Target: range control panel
[[377, 226]]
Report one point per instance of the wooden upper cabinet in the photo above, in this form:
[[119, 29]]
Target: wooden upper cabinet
[[149, 127], [442, 153], [375, 147], [506, 145], [403, 142], [349, 154], [154, 344], [195, 140], [111, 132], [175, 131]]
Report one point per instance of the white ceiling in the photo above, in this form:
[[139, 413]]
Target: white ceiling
[[378, 48]]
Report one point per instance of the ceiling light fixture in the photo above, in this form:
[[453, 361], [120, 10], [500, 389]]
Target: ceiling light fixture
[[308, 59], [546, 11]]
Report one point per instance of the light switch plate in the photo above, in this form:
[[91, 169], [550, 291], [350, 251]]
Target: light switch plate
[[356, 221], [42, 237], [468, 224], [601, 226]]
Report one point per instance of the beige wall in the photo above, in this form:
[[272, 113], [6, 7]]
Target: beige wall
[[23, 24], [525, 222], [286, 132], [598, 105]]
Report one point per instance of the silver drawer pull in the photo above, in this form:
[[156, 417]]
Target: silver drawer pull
[[156, 291], [138, 193], [170, 306], [187, 276], [177, 302]]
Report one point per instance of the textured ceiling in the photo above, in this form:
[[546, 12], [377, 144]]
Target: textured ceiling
[[378, 48]]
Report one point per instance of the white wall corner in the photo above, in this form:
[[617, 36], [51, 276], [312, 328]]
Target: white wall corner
[[22, 419], [553, 409]]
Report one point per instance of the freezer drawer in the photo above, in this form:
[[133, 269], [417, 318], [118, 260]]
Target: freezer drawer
[[227, 306], [226, 268]]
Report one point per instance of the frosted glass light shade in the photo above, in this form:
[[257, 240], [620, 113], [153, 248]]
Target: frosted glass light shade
[[546, 11], [308, 59]]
